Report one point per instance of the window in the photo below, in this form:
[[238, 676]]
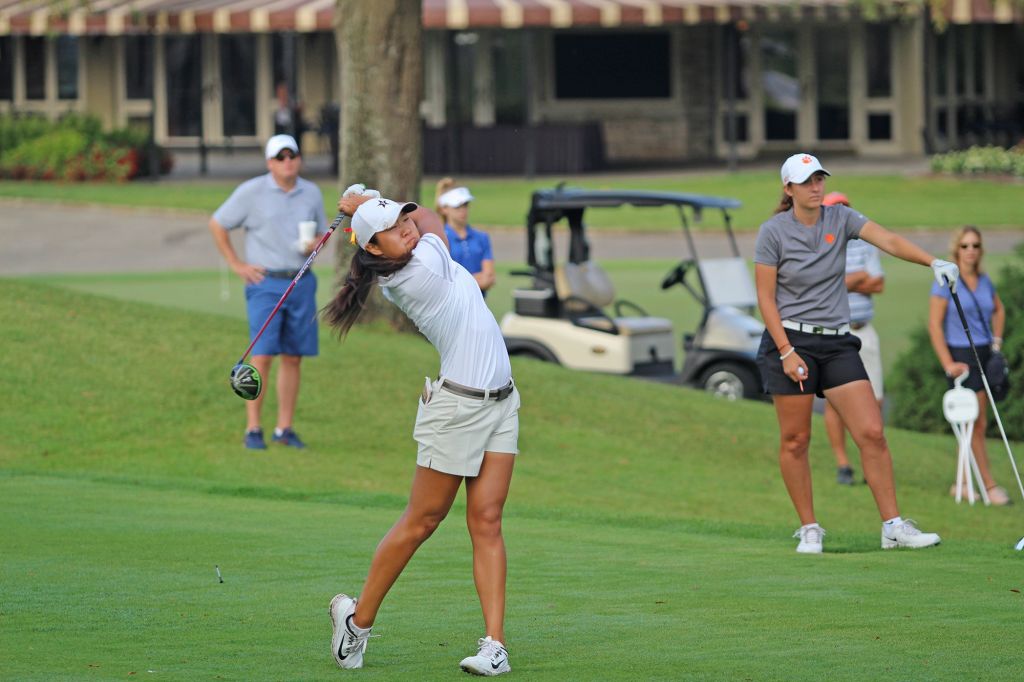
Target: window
[[184, 81], [879, 127], [941, 63], [741, 127], [780, 83], [612, 66], [6, 70], [832, 48], [739, 43], [67, 67], [878, 49], [138, 67], [238, 75], [509, 77], [35, 68], [284, 47]]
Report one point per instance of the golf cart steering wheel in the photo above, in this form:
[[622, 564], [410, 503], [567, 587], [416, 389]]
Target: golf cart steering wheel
[[676, 276]]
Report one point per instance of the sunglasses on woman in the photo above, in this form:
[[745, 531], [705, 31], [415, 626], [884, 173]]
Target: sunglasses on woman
[[971, 245]]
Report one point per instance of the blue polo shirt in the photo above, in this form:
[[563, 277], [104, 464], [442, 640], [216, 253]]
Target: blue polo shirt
[[472, 251], [953, 327], [271, 219]]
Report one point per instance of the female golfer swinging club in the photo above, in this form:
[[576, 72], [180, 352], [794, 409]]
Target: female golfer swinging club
[[807, 348], [467, 425]]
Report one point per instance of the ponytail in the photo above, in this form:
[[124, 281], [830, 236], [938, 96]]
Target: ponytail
[[364, 269], [443, 185], [785, 203]]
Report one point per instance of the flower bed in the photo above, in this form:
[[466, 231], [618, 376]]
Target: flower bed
[[71, 149]]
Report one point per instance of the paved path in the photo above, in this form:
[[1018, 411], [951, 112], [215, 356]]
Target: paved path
[[38, 238]]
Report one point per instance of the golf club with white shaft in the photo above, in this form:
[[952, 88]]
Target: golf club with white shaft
[[984, 381], [246, 381]]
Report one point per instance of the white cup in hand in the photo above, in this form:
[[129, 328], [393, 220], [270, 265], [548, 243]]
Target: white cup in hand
[[307, 233]]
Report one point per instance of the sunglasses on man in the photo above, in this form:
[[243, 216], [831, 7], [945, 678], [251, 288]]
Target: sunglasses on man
[[281, 156]]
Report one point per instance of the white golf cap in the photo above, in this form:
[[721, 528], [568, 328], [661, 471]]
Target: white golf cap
[[799, 167], [377, 215], [279, 142], [454, 198]]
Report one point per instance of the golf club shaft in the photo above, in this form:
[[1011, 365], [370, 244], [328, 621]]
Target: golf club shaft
[[305, 266], [988, 391]]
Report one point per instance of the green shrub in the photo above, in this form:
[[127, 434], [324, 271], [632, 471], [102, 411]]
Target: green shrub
[[916, 384], [981, 161], [74, 147]]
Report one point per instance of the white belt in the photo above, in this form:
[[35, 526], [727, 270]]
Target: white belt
[[815, 329]]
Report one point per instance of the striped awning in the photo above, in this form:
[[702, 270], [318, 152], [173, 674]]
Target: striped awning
[[113, 17]]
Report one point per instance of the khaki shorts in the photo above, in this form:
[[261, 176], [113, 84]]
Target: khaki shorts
[[871, 356], [454, 431]]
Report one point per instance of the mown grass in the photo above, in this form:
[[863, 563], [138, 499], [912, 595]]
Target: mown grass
[[900, 310], [896, 201], [647, 526]]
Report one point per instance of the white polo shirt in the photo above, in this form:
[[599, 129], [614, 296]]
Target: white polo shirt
[[444, 301]]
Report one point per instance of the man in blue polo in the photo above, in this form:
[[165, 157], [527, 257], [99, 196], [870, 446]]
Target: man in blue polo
[[282, 214]]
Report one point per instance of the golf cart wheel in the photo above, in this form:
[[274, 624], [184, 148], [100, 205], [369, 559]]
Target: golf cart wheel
[[730, 381]]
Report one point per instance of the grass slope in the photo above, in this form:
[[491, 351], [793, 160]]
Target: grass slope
[[647, 525], [896, 201]]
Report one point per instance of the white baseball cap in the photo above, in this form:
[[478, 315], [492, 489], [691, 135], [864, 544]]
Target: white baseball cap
[[377, 215], [454, 198], [279, 142], [799, 167]]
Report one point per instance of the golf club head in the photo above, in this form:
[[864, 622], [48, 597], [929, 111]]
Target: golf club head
[[246, 382]]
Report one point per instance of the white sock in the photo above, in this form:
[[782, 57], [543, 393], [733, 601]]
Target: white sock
[[894, 521], [810, 525]]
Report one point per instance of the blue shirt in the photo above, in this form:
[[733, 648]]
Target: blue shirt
[[472, 251], [953, 328], [271, 219]]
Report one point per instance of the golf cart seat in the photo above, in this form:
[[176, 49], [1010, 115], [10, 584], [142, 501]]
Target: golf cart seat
[[585, 287], [727, 282]]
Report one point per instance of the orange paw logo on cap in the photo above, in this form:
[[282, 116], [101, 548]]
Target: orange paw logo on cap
[[806, 159], [829, 237]]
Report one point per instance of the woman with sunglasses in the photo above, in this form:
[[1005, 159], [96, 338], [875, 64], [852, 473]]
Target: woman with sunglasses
[[467, 424], [807, 348], [986, 319]]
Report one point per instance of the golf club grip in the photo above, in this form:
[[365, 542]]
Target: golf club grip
[[305, 266]]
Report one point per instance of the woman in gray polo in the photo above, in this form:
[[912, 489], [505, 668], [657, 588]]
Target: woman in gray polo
[[807, 348]]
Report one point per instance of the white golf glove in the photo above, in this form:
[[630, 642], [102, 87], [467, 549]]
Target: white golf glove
[[359, 189], [946, 273]]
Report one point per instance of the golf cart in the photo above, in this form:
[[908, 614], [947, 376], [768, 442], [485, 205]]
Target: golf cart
[[561, 317]]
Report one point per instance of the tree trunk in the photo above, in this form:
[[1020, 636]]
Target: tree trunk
[[380, 55]]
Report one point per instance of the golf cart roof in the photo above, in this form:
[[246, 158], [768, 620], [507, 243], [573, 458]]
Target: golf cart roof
[[571, 198]]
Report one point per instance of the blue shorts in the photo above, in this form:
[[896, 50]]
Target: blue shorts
[[293, 331]]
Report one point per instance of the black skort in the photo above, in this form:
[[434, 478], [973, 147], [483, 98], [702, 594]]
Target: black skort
[[831, 361], [966, 356]]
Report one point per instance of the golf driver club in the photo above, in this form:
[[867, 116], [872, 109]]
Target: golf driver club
[[988, 391], [246, 381]]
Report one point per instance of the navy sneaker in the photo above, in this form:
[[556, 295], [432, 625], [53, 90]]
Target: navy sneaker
[[288, 437], [254, 440]]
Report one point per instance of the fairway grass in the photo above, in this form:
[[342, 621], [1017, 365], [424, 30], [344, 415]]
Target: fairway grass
[[648, 528]]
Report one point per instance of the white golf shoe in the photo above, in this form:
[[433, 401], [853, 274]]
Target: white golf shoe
[[491, 659], [906, 534], [346, 646], [810, 539]]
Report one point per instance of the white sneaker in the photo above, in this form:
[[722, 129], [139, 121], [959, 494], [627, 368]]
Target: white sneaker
[[906, 534], [810, 539], [491, 659], [346, 646]]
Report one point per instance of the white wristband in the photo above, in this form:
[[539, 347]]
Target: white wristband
[[792, 349]]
